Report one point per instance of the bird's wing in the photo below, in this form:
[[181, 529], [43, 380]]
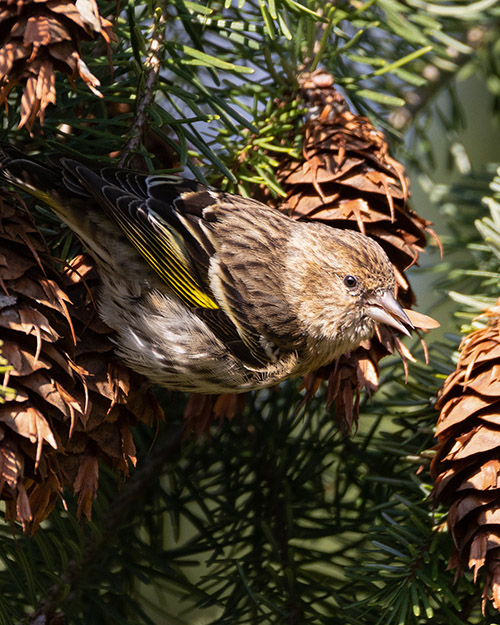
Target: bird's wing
[[125, 197], [166, 220]]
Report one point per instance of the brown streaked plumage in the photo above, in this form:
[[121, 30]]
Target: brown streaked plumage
[[210, 292]]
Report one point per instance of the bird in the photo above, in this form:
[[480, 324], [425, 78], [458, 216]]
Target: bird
[[210, 292]]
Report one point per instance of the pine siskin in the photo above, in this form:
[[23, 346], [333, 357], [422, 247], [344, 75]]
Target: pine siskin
[[210, 292]]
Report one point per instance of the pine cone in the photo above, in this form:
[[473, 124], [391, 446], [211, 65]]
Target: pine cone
[[72, 405], [38, 37], [347, 179], [466, 467]]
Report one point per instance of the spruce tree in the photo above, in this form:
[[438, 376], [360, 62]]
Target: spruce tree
[[308, 503]]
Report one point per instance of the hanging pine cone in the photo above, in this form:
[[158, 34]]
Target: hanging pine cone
[[38, 37], [71, 406], [347, 179], [466, 468]]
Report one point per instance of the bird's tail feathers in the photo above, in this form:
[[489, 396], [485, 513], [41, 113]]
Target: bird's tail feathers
[[43, 182]]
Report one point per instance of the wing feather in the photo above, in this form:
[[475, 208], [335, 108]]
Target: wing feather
[[167, 221], [125, 200]]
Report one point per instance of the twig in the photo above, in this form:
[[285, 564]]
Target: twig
[[152, 66]]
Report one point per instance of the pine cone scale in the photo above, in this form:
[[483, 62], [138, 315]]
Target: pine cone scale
[[68, 399], [38, 38], [466, 468]]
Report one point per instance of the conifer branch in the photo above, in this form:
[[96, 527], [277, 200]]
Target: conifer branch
[[418, 99], [140, 483], [152, 66]]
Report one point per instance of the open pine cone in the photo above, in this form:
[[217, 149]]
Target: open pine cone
[[38, 37], [72, 406], [347, 179], [466, 468]]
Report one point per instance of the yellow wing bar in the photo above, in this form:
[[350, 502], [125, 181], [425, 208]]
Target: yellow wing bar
[[165, 256]]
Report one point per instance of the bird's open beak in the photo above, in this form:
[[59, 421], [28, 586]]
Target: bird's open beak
[[385, 309]]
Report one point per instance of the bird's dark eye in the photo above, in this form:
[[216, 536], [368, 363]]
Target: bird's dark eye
[[350, 282]]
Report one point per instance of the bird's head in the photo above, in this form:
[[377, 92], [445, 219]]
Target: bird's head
[[344, 286]]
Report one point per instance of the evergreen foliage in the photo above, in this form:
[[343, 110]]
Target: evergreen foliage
[[276, 517]]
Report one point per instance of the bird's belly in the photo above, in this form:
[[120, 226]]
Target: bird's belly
[[162, 339]]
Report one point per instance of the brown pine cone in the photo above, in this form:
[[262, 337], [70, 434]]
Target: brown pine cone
[[72, 405], [40, 37], [466, 468]]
